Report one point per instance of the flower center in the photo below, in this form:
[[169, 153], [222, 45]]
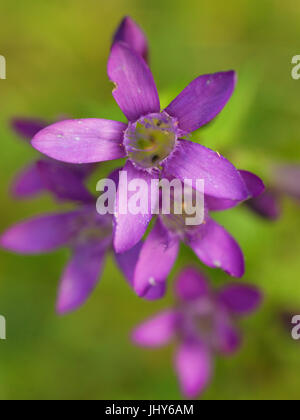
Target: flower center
[[151, 139]]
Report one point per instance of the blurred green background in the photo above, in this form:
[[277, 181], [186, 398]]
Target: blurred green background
[[56, 56]]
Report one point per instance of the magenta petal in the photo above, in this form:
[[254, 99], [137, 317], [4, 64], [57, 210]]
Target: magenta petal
[[191, 161], [28, 182], [157, 257], [202, 100], [127, 263], [130, 33], [64, 183], [266, 205], [240, 299], [41, 234], [255, 188], [253, 183], [220, 204], [191, 285], [82, 141], [129, 227], [135, 91], [193, 365], [157, 331], [80, 277], [217, 249], [27, 127]]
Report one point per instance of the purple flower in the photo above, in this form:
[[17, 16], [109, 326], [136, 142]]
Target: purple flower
[[154, 140], [204, 324], [284, 182], [211, 243], [47, 174]]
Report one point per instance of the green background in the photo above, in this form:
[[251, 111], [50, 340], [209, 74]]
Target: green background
[[56, 54]]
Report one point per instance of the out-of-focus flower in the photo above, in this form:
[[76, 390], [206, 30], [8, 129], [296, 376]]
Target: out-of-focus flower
[[47, 174], [211, 243], [285, 181], [203, 322], [154, 141], [86, 233], [88, 236]]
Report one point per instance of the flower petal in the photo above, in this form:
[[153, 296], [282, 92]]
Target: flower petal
[[82, 141], [266, 205], [64, 183], [28, 182], [191, 284], [202, 100], [286, 178], [27, 127], [255, 187], [157, 331], [228, 338], [253, 183], [240, 299], [130, 33], [41, 234], [217, 249], [193, 363], [157, 257], [127, 263], [191, 161], [129, 227], [80, 277], [135, 90]]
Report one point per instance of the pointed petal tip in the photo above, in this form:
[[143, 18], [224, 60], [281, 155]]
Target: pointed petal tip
[[132, 34], [254, 183], [65, 306]]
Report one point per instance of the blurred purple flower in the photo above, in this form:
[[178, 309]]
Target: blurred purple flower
[[130, 33], [47, 174], [83, 231], [285, 181], [152, 140], [203, 321], [211, 243]]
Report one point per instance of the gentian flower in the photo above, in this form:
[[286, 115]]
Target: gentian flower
[[284, 182], [47, 174], [86, 233], [154, 141], [211, 243], [203, 322]]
